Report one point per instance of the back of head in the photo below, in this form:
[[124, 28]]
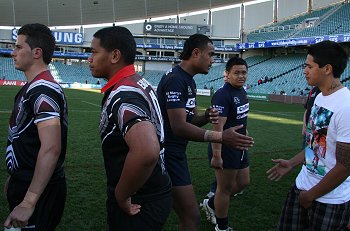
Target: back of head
[[329, 52], [39, 36], [235, 61], [199, 41], [120, 38]]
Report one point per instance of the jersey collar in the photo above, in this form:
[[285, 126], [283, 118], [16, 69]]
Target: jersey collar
[[122, 73]]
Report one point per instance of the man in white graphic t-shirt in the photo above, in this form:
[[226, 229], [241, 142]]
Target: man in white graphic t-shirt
[[320, 198]]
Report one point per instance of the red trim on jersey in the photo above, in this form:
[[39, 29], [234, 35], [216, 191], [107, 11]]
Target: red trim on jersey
[[122, 73]]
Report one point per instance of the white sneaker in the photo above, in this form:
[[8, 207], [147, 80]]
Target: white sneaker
[[239, 193], [210, 194], [209, 212], [217, 229]]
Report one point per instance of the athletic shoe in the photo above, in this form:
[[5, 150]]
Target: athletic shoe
[[239, 193], [210, 194], [209, 212], [217, 229]]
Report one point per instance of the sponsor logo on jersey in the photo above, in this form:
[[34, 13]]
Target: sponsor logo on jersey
[[189, 90], [191, 103], [242, 109], [236, 100], [173, 96]]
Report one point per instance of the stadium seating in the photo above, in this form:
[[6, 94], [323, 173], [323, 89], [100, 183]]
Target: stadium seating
[[331, 20]]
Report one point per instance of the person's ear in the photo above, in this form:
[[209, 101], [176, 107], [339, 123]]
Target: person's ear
[[37, 52], [116, 56]]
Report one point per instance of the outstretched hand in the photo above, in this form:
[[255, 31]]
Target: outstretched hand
[[234, 139], [282, 167]]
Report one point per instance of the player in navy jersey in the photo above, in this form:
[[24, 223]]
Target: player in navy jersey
[[177, 99], [36, 146], [132, 135], [231, 164]]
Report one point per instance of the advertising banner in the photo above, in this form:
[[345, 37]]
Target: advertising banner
[[175, 29]]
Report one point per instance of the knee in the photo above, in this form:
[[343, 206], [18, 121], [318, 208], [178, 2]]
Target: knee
[[244, 184]]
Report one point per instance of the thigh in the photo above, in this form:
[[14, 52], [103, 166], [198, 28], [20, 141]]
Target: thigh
[[234, 159], [226, 178], [184, 201], [152, 216], [16, 192], [293, 216], [49, 209], [177, 167], [329, 217]]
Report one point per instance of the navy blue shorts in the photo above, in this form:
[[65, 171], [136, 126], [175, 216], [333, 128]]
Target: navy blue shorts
[[177, 167], [232, 158]]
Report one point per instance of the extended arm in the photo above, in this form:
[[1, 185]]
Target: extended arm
[[180, 127], [209, 116], [283, 167]]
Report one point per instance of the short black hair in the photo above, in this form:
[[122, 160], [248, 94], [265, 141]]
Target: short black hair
[[235, 61], [39, 36], [194, 41], [120, 38], [329, 52]]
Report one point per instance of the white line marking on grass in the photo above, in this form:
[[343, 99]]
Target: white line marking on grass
[[5, 112], [91, 103], [276, 113]]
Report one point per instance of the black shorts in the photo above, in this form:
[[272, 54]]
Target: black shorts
[[49, 208], [152, 216], [232, 159], [177, 167]]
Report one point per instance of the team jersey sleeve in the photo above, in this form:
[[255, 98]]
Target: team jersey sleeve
[[220, 102], [129, 110], [343, 125], [45, 103], [175, 93]]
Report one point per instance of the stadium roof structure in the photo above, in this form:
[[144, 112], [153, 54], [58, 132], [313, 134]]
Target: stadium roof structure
[[84, 12]]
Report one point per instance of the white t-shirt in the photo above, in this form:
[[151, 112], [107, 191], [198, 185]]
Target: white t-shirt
[[329, 122]]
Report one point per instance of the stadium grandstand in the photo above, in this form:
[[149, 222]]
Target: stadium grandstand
[[271, 35]]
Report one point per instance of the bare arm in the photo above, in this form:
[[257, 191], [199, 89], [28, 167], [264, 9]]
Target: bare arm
[[283, 167], [216, 160], [180, 127], [332, 179], [139, 164], [210, 115], [50, 149]]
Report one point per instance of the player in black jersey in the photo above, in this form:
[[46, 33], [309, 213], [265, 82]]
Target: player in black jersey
[[37, 140], [132, 135], [177, 98]]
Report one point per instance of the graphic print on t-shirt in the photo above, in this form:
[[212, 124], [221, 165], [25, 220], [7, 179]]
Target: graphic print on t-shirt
[[315, 151]]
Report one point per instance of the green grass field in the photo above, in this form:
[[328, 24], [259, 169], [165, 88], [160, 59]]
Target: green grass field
[[275, 127]]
